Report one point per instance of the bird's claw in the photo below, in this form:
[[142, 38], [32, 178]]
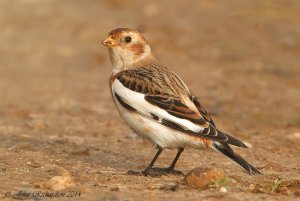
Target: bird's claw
[[155, 172]]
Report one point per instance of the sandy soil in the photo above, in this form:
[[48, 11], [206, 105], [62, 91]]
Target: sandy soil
[[58, 122]]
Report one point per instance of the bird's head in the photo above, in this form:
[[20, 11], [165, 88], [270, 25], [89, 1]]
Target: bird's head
[[127, 48]]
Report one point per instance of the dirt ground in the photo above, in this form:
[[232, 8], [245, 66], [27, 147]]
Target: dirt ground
[[59, 129]]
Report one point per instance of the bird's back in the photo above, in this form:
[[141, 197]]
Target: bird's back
[[157, 79]]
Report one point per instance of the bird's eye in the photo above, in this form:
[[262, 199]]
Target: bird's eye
[[127, 39]]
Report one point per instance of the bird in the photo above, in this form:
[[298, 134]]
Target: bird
[[158, 106]]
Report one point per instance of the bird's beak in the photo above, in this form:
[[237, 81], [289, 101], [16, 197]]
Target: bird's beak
[[109, 42]]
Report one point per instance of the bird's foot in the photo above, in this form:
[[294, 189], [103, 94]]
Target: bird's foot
[[155, 172], [170, 171], [132, 172]]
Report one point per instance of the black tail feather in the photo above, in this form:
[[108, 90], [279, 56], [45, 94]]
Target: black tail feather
[[227, 151], [233, 141]]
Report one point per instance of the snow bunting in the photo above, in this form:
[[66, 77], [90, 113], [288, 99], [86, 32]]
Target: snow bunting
[[157, 105]]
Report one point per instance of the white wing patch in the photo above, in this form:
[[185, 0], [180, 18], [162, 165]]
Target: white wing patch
[[137, 101]]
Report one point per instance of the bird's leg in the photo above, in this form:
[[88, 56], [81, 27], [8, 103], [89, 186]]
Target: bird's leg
[[172, 166], [148, 169], [170, 169]]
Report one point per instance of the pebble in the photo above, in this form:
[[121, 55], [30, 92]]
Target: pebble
[[203, 177], [294, 136], [116, 188], [37, 124], [252, 187], [83, 151], [169, 187], [223, 190]]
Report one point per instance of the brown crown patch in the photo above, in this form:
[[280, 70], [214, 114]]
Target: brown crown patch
[[117, 32]]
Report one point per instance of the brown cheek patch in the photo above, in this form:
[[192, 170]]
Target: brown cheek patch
[[138, 49]]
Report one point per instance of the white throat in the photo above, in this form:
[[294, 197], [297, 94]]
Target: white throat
[[122, 58]]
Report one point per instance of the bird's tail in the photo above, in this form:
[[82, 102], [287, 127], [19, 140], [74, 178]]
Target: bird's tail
[[227, 151]]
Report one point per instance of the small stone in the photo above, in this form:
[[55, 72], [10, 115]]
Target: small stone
[[83, 151], [84, 190], [252, 187], [294, 136], [203, 177], [37, 124], [34, 164], [114, 188], [223, 190], [169, 187]]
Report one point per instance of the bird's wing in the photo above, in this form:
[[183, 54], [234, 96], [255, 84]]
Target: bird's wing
[[207, 117], [164, 97], [202, 110]]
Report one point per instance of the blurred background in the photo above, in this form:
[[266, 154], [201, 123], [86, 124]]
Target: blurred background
[[241, 58], [241, 54]]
